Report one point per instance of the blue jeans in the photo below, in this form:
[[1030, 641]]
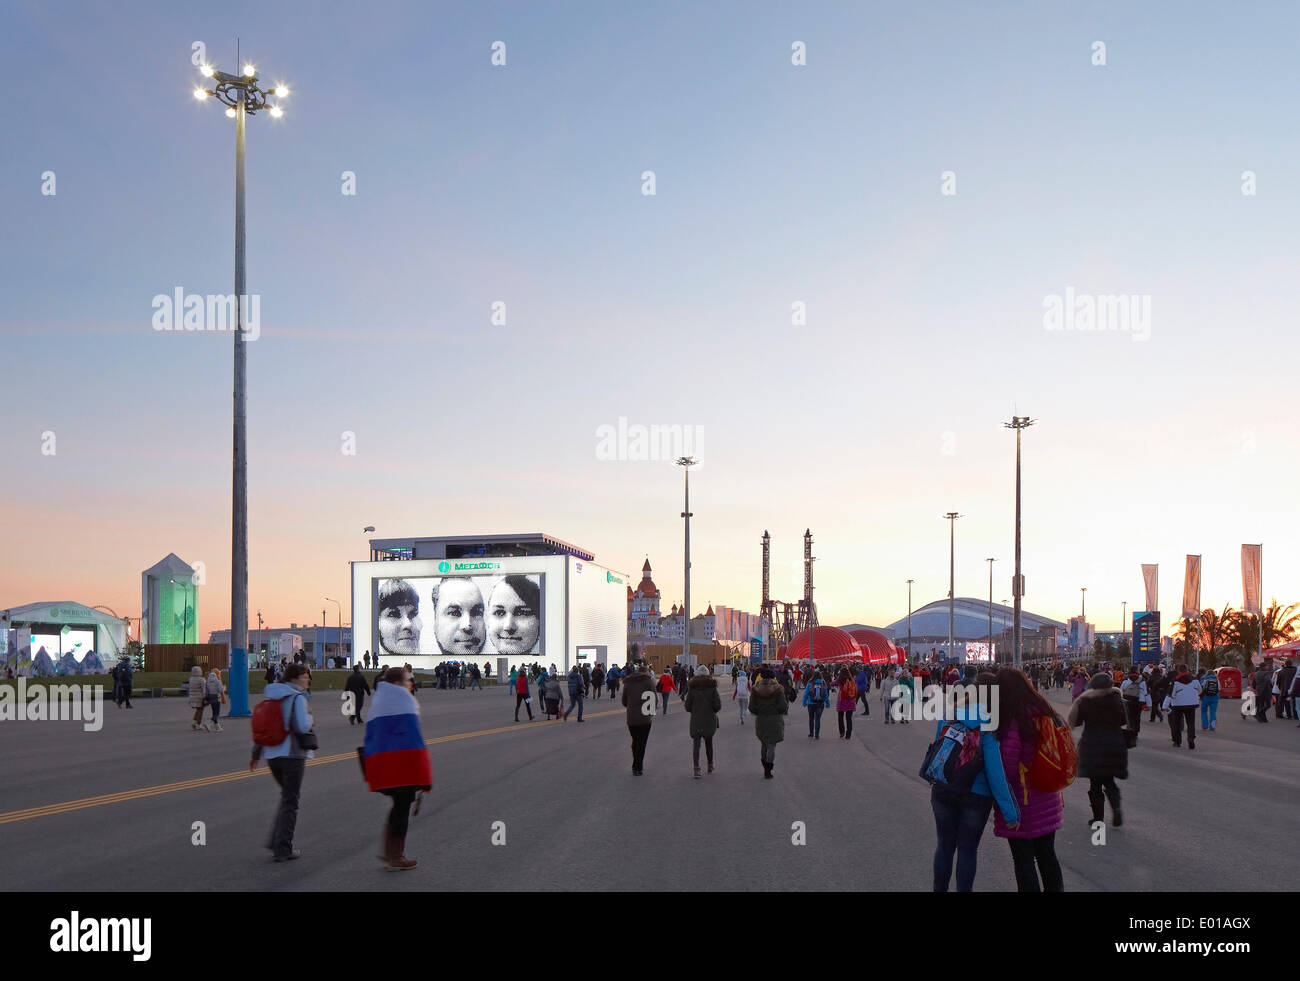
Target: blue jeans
[[1209, 710], [815, 720], [665, 695], [575, 700], [959, 822]]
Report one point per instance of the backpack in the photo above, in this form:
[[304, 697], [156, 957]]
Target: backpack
[[1056, 763], [818, 694], [849, 689], [268, 723], [1210, 685], [954, 759]]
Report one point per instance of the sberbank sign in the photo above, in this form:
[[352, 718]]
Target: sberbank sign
[[446, 567], [610, 577]]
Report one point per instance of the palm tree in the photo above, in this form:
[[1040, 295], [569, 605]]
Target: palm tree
[[1209, 633], [1281, 626]]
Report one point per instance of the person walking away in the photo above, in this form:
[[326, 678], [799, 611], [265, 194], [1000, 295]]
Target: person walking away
[[396, 760], [612, 678], [577, 688], [846, 703], [666, 687], [740, 692], [198, 697], [117, 686], [1136, 697], [1181, 703], [522, 695], [586, 681], [703, 703], [863, 682], [961, 812], [1078, 683], [1033, 844], [1209, 700], [906, 694], [597, 680], [125, 681], [214, 693], [769, 706], [475, 678], [356, 684], [552, 696], [1284, 680], [815, 697], [1156, 685], [1261, 683], [890, 683], [639, 699], [1103, 750], [287, 759]]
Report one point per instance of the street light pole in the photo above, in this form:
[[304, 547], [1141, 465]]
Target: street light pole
[[990, 562], [686, 462], [1018, 423], [909, 618], [952, 517], [243, 97], [340, 606]]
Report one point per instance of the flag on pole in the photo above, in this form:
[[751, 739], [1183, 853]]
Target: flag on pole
[[1192, 587], [1252, 561], [1150, 578]]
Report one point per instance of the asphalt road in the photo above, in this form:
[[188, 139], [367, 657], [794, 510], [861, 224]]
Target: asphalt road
[[576, 819]]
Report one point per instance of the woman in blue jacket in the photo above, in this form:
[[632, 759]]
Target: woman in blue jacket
[[959, 819]]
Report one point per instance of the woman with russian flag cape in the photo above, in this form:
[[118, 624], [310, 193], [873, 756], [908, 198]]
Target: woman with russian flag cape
[[396, 759]]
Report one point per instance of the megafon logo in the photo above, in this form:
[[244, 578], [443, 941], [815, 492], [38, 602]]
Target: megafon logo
[[610, 577], [444, 567], [467, 566]]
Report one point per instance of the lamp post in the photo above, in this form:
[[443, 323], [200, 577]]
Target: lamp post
[[1018, 423], [952, 517], [242, 97], [909, 618], [340, 606], [990, 562], [686, 462]]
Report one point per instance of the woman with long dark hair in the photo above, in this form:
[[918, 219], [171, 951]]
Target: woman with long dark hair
[[1033, 843], [1103, 748]]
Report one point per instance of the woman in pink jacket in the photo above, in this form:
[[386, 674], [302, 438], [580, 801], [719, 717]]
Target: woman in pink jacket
[[1033, 842]]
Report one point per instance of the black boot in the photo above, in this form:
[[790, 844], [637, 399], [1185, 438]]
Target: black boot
[[767, 770], [1112, 794], [1098, 800]]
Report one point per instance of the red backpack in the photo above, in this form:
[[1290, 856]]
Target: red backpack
[[268, 723], [1056, 763]]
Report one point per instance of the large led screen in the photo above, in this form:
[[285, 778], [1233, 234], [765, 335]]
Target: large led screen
[[464, 617]]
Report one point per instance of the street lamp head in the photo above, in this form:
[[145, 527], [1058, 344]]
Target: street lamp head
[[250, 71], [686, 461], [1019, 422], [276, 112], [230, 113], [205, 71], [200, 94], [282, 91]]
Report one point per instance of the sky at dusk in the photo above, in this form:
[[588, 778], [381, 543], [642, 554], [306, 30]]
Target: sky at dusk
[[776, 184]]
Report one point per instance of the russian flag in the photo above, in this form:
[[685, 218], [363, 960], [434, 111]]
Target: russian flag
[[395, 752]]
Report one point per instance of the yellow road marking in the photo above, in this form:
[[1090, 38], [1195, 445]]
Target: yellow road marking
[[48, 810]]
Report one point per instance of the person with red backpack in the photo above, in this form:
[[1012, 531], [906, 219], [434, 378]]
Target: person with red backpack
[[282, 731], [847, 703], [1022, 711]]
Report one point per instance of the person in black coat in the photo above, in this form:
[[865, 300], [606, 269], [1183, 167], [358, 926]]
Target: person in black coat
[[357, 685], [1103, 747]]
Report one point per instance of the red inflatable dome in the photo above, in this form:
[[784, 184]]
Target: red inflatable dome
[[876, 647], [830, 644]]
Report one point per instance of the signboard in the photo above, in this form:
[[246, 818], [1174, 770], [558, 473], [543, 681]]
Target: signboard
[[1146, 637], [755, 657], [756, 649]]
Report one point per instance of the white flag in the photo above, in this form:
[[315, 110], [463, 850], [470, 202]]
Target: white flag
[[1252, 562], [1192, 587], [1150, 578]]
